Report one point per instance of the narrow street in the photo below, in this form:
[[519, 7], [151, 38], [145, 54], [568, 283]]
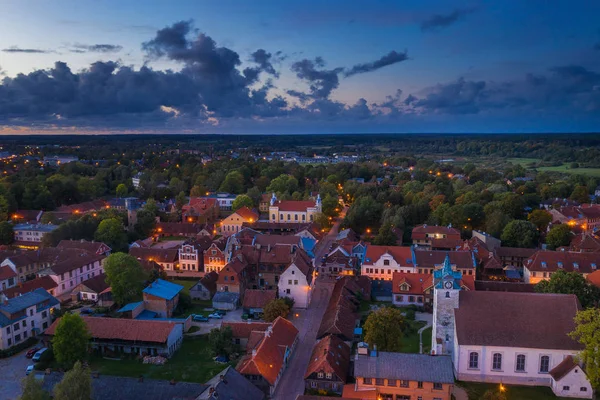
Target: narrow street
[[308, 321]]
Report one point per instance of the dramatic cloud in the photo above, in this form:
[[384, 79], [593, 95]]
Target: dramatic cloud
[[96, 48], [440, 21], [321, 81], [392, 57], [15, 49]]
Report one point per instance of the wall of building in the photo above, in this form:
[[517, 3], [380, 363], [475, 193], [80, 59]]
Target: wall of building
[[427, 392], [378, 269], [294, 281], [574, 384], [67, 281], [34, 319], [444, 303]]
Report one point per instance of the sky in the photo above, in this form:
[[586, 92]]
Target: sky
[[299, 66]]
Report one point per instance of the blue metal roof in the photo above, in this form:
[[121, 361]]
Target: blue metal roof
[[146, 314], [163, 289], [358, 331], [130, 306], [25, 301]]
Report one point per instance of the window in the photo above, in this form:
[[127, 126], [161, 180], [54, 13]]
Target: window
[[328, 376], [45, 325], [313, 384], [289, 281], [399, 298], [24, 323], [31, 313], [497, 362], [437, 386], [320, 375], [15, 327], [379, 381], [420, 385], [391, 382], [17, 338], [367, 381], [386, 262], [520, 367], [295, 281], [8, 330], [287, 291], [44, 314], [583, 389], [447, 295], [411, 299], [566, 388], [473, 360], [544, 364], [9, 341], [404, 384], [25, 335]]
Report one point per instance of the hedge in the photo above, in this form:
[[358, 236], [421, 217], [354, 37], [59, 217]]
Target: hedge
[[18, 348]]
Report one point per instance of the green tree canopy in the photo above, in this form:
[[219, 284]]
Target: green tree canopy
[[180, 201], [587, 326], [76, 384], [242, 200], [283, 184], [580, 194], [275, 308], [221, 341], [121, 190], [125, 276], [385, 236], [233, 183], [70, 341], [519, 233], [385, 328], [112, 232], [571, 283], [33, 389], [7, 233], [364, 213], [559, 235], [540, 218]]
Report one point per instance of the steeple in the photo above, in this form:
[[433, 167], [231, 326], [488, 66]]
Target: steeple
[[273, 199], [446, 274]]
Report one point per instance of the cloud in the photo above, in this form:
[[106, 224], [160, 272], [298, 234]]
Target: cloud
[[440, 21], [16, 49], [460, 97], [392, 57], [321, 81], [96, 48]]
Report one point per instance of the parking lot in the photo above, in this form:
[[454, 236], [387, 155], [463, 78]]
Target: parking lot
[[12, 370], [205, 327]]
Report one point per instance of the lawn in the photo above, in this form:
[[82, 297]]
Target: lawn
[[523, 161], [565, 169], [427, 340], [191, 363], [476, 391], [410, 342], [186, 283]]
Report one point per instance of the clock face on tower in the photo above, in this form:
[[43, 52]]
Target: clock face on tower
[[448, 285]]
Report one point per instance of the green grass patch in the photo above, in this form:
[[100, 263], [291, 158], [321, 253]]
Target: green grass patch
[[523, 161], [513, 392], [186, 283], [193, 362], [565, 169], [410, 340], [427, 340]]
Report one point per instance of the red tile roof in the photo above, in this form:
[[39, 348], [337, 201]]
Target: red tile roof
[[562, 369], [269, 358], [329, 356], [401, 254], [258, 298], [247, 214], [516, 252], [294, 205], [133, 330], [180, 228], [569, 261], [97, 283], [527, 320], [417, 283], [158, 255], [585, 242], [6, 272], [44, 282], [594, 278], [419, 232], [340, 316], [78, 261], [91, 247], [242, 330]]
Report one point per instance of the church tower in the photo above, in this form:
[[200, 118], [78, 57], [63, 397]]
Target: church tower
[[446, 286]]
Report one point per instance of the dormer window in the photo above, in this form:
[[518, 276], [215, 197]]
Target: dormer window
[[594, 266], [575, 265], [544, 265]]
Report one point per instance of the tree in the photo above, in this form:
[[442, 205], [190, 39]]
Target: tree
[[7, 234], [112, 232], [519, 233], [283, 184], [121, 190], [385, 236], [180, 200], [146, 221], [571, 283], [198, 191], [233, 183], [70, 341], [3, 208], [495, 222], [221, 341], [275, 308], [364, 213], [242, 200], [385, 328], [76, 384], [540, 218], [33, 389], [125, 276], [587, 326], [580, 194], [559, 235]]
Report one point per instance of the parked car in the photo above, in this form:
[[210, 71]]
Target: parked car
[[31, 352], [29, 369], [38, 354], [215, 315], [222, 312], [199, 318], [86, 311]]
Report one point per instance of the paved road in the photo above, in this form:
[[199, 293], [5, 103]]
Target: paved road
[[12, 370]]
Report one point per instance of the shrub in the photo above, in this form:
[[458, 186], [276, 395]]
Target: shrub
[[18, 348]]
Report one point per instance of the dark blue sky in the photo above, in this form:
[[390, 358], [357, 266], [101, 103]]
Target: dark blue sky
[[300, 67]]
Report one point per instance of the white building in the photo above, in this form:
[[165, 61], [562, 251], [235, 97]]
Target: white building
[[135, 180], [380, 262], [31, 235], [25, 316], [503, 337], [225, 200], [293, 211], [297, 281], [69, 273]]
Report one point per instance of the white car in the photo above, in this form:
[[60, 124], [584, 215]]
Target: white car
[[215, 316], [29, 369]]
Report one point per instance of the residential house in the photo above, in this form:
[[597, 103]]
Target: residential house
[[29, 236], [296, 281], [8, 277], [206, 287], [393, 376], [225, 200], [264, 203], [191, 256], [44, 282], [232, 276], [513, 256], [432, 237], [131, 336], [90, 289], [381, 262], [182, 229], [135, 180], [230, 385], [427, 261], [26, 216], [168, 258], [341, 317], [214, 257], [569, 380], [201, 210], [255, 300], [92, 247], [162, 297], [339, 261], [293, 211], [267, 362], [585, 243], [248, 334], [233, 223], [70, 272], [542, 264], [586, 216], [226, 301], [417, 289], [328, 366], [25, 316]]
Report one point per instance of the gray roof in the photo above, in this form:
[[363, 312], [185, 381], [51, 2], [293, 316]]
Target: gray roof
[[123, 388], [232, 386], [225, 297], [35, 227], [404, 366], [25, 301]]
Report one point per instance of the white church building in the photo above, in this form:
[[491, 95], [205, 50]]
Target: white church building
[[507, 337]]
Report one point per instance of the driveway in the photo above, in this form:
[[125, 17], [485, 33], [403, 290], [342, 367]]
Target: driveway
[[206, 327], [12, 370], [307, 322]]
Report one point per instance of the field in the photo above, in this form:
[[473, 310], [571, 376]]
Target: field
[[523, 161], [476, 391], [595, 172]]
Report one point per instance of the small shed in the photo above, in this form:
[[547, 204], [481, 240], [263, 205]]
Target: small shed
[[225, 301], [206, 287]]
